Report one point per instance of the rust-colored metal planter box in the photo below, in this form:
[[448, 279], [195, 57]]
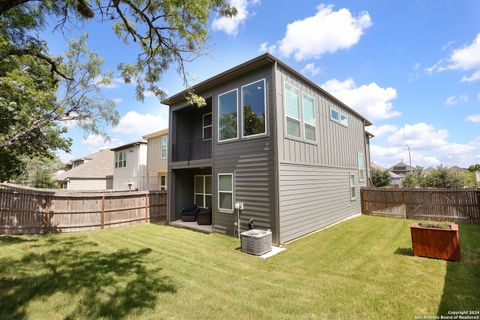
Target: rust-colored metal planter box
[[439, 243]]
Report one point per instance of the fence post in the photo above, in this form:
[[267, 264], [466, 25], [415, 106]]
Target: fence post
[[102, 217], [404, 201], [46, 214], [362, 202], [147, 208]]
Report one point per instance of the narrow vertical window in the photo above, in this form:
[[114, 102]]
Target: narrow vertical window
[[163, 182], [361, 166], [254, 109], [292, 111], [228, 116], [203, 191], [309, 117], [225, 191], [207, 126], [164, 144], [353, 190]]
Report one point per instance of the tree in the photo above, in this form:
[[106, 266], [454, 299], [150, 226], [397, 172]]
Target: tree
[[444, 178], [474, 167], [380, 177], [39, 92], [410, 180], [39, 172]]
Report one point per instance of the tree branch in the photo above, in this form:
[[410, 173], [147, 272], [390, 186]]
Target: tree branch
[[23, 52]]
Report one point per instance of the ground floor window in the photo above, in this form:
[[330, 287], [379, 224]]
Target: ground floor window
[[225, 191], [163, 182], [203, 191], [353, 190]]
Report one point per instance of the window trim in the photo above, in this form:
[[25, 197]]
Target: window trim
[[162, 148], [300, 111], [314, 117], [209, 126], [361, 177], [218, 193], [218, 116], [204, 194], [160, 185], [341, 114], [352, 184], [264, 108]]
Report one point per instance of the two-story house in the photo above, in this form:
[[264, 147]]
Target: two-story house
[[157, 163], [269, 138], [130, 166]]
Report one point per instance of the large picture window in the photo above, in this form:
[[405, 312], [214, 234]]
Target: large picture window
[[254, 109], [163, 144], [292, 111], [228, 115], [203, 191], [225, 191], [309, 117]]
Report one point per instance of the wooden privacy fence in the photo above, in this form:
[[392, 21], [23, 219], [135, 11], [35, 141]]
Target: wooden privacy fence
[[36, 210], [455, 205]]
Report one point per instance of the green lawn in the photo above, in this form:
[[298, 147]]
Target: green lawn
[[358, 269]]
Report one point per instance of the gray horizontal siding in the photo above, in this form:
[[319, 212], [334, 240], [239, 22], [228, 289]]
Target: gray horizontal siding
[[313, 197], [251, 160]]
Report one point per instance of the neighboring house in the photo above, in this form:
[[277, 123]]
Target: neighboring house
[[457, 169], [130, 166], [401, 168], [477, 177], [157, 160], [269, 138], [93, 172], [395, 179]]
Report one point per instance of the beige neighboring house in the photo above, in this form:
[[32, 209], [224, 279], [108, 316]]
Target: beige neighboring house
[[93, 172], [130, 166], [157, 160]]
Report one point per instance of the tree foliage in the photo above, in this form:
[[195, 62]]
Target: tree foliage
[[40, 94], [380, 177], [474, 167], [440, 177]]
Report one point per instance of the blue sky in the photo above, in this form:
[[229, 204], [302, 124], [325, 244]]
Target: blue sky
[[411, 67]]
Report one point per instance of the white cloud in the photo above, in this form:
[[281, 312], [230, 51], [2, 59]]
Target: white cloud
[[382, 130], [453, 100], [114, 83], [419, 135], [310, 69], [465, 58], [429, 147], [325, 32], [265, 47], [475, 118], [95, 142], [117, 100], [142, 123], [370, 100], [230, 25]]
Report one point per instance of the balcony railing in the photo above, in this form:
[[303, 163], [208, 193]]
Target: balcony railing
[[192, 150]]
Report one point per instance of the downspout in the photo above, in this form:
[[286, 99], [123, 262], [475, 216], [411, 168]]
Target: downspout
[[367, 156], [276, 161]]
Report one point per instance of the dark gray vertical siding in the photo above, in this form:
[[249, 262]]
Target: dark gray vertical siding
[[314, 185], [251, 160]]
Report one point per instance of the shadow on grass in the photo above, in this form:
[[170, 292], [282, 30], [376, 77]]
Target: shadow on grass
[[7, 240], [462, 279], [404, 252], [99, 284]]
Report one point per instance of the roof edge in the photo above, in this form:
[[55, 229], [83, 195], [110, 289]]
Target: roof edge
[[156, 134], [128, 145]]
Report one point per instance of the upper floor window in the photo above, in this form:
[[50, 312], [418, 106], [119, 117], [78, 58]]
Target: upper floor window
[[227, 115], [163, 144], [292, 111], [120, 159], [339, 117], [254, 109], [207, 126], [309, 117]]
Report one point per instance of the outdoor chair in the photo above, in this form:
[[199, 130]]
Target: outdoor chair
[[204, 216], [189, 213]]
